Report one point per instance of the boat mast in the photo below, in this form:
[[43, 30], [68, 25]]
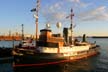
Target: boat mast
[[36, 10], [22, 32], [71, 26]]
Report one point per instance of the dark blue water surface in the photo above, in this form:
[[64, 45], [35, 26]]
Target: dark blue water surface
[[98, 63], [6, 67]]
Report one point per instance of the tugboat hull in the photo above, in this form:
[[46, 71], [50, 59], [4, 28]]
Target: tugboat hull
[[41, 59]]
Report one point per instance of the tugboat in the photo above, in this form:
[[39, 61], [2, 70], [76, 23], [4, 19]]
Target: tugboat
[[54, 48]]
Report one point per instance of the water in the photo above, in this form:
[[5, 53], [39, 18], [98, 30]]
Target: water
[[7, 67], [8, 43], [97, 63]]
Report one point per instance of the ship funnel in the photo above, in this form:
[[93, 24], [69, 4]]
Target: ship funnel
[[84, 38]]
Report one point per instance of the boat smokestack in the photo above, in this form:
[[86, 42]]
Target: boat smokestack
[[84, 38]]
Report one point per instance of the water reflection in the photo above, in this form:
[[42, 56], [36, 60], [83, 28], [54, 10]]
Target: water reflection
[[85, 65], [77, 66]]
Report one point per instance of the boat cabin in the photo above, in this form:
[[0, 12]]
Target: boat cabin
[[47, 39]]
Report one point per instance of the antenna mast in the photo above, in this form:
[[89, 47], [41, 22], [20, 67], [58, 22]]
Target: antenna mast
[[71, 25]]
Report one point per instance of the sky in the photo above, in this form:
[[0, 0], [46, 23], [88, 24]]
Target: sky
[[90, 16]]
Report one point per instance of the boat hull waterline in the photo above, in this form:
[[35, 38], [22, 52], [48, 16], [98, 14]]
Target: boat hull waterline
[[38, 60]]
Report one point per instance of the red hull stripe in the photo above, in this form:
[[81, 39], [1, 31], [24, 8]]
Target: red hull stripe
[[40, 64]]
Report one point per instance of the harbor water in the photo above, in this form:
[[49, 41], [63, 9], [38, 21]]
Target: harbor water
[[98, 63]]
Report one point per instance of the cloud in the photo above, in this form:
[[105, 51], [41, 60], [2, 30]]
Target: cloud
[[55, 6], [54, 13], [79, 3], [76, 1], [57, 11], [99, 13], [53, 17]]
